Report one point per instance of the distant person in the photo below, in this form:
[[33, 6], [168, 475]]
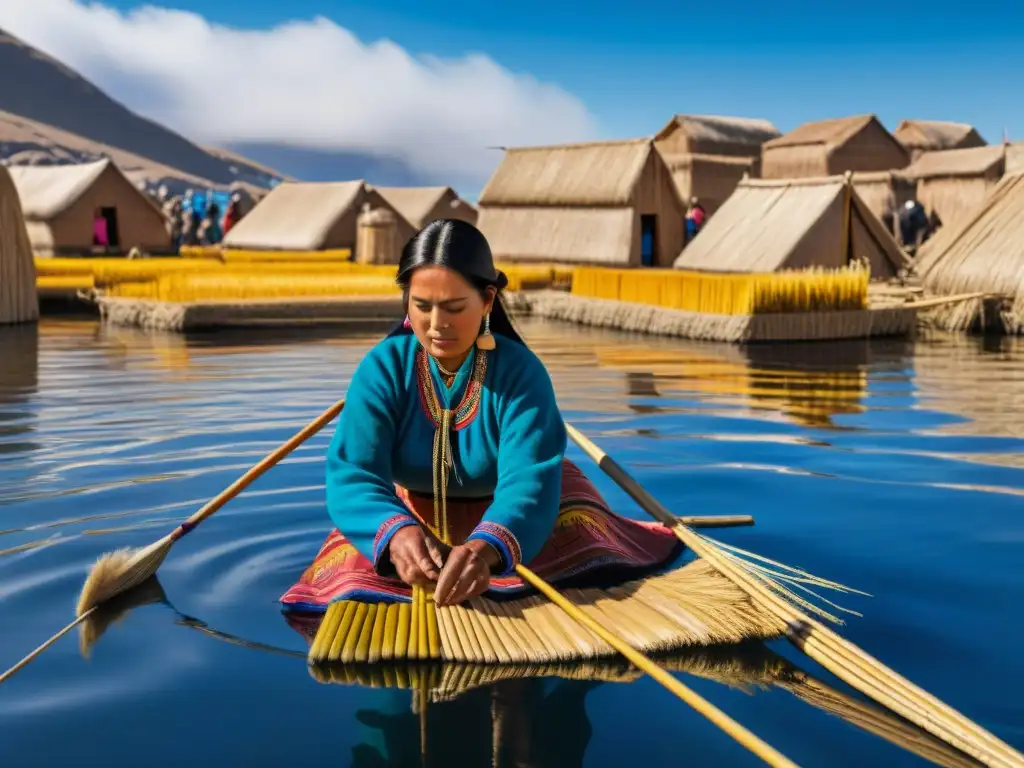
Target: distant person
[[100, 233], [915, 225], [190, 227], [234, 212], [173, 213], [695, 220], [210, 232]]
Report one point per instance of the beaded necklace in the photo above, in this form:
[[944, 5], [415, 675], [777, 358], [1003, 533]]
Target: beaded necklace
[[446, 421]]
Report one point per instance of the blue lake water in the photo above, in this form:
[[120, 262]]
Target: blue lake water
[[891, 467]]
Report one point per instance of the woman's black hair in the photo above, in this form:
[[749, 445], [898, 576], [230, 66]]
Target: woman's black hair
[[461, 247]]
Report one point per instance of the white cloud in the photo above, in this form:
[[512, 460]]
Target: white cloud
[[303, 83]]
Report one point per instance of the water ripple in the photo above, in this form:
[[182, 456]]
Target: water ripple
[[895, 467]]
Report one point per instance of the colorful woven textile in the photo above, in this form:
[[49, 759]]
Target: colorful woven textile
[[589, 544]]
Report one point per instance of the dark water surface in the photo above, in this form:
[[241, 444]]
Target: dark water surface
[[894, 468]]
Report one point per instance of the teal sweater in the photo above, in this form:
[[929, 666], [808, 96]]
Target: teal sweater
[[512, 449]]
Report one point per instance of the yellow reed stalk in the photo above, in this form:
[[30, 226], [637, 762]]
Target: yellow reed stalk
[[808, 290], [200, 251], [231, 255], [64, 282], [847, 661], [233, 287]]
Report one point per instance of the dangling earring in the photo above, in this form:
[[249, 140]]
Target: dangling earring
[[485, 340], [407, 323]]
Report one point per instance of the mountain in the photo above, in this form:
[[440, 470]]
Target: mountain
[[51, 114]]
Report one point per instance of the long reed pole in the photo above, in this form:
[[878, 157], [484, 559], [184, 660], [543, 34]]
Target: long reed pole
[[117, 572], [841, 657]]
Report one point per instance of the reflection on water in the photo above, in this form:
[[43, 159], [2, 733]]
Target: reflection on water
[[857, 460]]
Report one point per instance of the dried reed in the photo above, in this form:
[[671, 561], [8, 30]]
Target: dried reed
[[720, 293], [692, 605], [770, 593]]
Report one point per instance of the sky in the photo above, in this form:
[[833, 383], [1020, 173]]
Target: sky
[[437, 85]]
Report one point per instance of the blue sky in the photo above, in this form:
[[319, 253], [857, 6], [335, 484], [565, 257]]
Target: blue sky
[[635, 64]]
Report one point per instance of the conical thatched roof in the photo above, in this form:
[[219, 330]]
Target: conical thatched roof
[[769, 225]]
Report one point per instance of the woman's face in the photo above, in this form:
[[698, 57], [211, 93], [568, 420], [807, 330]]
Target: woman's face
[[446, 311]]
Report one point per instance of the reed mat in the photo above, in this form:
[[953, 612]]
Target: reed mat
[[722, 293], [690, 606]]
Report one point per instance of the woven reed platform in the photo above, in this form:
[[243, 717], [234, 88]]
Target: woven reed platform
[[645, 318], [171, 316]]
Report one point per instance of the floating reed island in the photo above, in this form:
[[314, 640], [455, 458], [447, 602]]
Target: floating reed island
[[781, 260], [232, 288]]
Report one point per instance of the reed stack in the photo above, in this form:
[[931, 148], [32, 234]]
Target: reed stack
[[18, 300]]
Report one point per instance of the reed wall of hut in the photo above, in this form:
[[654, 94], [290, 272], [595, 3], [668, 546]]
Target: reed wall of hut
[[981, 252], [422, 205], [708, 178], [954, 183], [582, 204], [832, 147], [60, 204], [920, 136], [771, 225], [310, 216], [19, 302]]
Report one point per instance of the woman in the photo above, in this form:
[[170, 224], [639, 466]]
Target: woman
[[448, 465]]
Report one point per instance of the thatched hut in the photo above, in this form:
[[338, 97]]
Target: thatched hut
[[708, 155], [771, 225], [18, 299], [309, 216], [422, 205], [953, 183], [610, 203], [920, 136], [831, 147], [62, 202], [982, 252]]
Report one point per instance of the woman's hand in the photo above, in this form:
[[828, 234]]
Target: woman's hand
[[415, 555], [466, 572]]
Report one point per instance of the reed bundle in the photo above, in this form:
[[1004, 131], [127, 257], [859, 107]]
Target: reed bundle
[[64, 283], [199, 251], [337, 255], [721, 293], [106, 271], [692, 605], [772, 592], [232, 286]]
